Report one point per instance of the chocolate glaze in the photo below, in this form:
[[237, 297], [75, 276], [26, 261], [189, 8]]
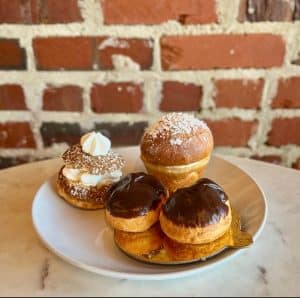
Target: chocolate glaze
[[200, 205], [134, 195]]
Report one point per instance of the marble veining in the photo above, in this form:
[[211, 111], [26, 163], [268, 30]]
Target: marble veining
[[45, 273], [279, 232], [263, 274], [271, 267], [263, 278]]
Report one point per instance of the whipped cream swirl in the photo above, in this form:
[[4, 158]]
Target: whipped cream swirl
[[95, 144]]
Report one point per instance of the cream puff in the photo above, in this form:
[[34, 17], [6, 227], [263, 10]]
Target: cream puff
[[89, 170], [134, 203], [198, 214], [140, 244], [177, 149]]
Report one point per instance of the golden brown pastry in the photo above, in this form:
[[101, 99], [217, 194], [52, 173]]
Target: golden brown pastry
[[89, 169], [188, 252], [198, 214], [80, 195], [140, 244], [133, 204], [177, 149]]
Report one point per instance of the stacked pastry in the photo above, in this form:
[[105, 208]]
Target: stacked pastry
[[197, 214], [191, 218], [177, 149], [198, 223], [134, 203], [133, 207], [89, 169]]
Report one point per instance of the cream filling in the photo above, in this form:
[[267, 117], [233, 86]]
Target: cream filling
[[89, 179], [177, 169]]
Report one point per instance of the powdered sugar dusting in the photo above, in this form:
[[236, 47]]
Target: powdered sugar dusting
[[174, 125], [175, 142]]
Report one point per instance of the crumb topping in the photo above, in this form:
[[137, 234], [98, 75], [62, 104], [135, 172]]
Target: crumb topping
[[75, 158]]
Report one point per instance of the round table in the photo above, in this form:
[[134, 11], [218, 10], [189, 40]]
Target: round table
[[270, 267]]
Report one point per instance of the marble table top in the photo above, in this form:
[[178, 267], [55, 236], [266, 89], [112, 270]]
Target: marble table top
[[270, 268]]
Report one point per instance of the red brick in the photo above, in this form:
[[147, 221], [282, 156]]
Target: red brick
[[284, 131], [238, 93], [297, 10], [10, 11], [296, 60], [262, 11], [288, 94], [77, 53], [122, 133], [178, 96], [232, 132], [12, 56], [66, 98], [19, 11], [158, 11], [275, 159], [58, 11], [53, 133], [12, 97], [16, 135], [139, 50], [117, 98], [222, 51], [6, 162], [296, 164], [39, 11], [69, 53]]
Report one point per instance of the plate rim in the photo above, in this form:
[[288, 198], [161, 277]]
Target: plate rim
[[149, 276]]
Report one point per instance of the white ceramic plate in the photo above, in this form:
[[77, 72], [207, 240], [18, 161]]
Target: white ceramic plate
[[83, 238]]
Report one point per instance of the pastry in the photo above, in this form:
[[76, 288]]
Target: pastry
[[234, 238], [198, 214], [141, 244], [177, 149], [133, 204], [89, 169]]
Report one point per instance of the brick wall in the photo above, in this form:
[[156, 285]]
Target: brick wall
[[115, 65]]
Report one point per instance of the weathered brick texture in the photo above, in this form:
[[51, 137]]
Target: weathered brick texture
[[67, 67], [39, 12], [222, 51], [159, 11]]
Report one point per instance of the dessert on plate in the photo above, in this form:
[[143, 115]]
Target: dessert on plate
[[134, 203], [177, 149], [198, 214], [195, 223], [89, 169]]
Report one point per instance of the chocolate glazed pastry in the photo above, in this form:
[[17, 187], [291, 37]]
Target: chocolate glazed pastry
[[133, 204], [198, 214]]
